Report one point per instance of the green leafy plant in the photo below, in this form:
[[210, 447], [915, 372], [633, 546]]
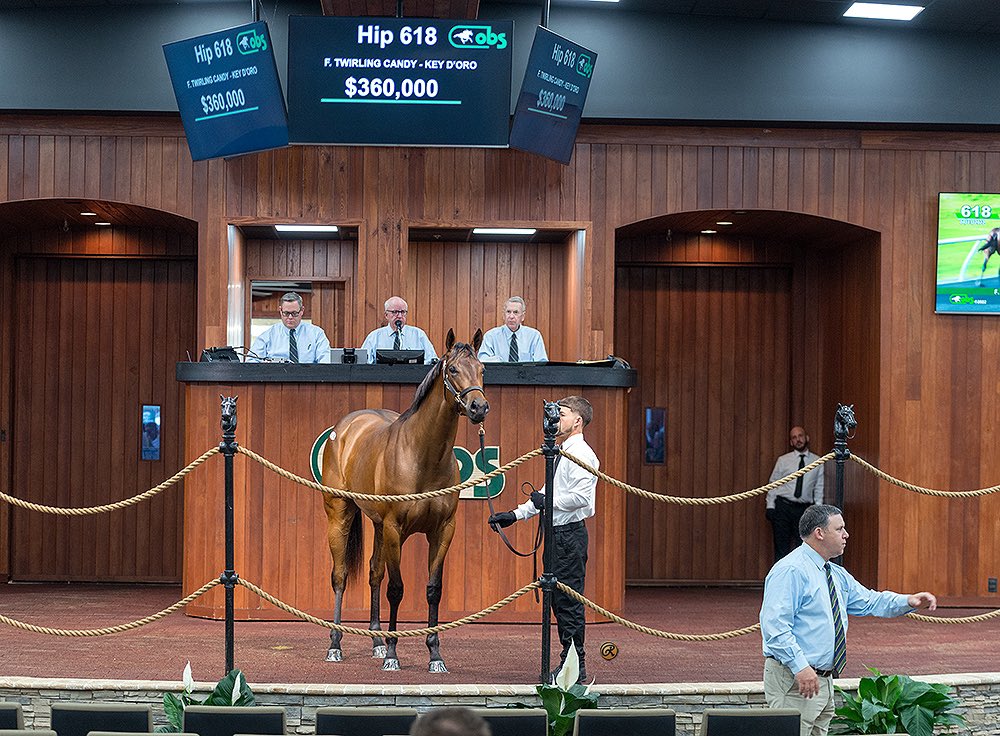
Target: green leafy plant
[[896, 704], [231, 690], [564, 697]]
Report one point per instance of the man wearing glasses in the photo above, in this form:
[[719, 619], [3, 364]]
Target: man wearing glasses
[[291, 339], [397, 335]]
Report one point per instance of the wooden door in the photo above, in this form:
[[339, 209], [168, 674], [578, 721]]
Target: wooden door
[[712, 347], [94, 339]]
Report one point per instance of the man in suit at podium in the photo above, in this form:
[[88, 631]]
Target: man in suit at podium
[[396, 334], [513, 341], [291, 339]]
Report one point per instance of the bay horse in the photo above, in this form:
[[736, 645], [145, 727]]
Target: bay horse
[[381, 452]]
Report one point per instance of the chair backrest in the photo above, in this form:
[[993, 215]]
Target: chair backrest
[[29, 732], [364, 721], [625, 722], [79, 719], [226, 720], [515, 721], [750, 722], [11, 716]]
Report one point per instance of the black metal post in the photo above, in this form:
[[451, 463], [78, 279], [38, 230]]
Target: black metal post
[[545, 14], [550, 425], [229, 577], [399, 8], [843, 423]]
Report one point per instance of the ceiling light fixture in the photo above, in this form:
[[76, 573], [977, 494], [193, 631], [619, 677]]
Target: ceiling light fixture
[[306, 228], [503, 231], [709, 232], [723, 222], [103, 224], [882, 11], [89, 214]]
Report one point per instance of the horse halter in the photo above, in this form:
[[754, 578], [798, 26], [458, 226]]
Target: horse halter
[[459, 396]]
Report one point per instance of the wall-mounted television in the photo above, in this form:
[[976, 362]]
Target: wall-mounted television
[[399, 81], [968, 265], [228, 93]]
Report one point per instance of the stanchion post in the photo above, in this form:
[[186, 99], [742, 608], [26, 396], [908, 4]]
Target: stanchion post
[[550, 425], [843, 424], [229, 577]]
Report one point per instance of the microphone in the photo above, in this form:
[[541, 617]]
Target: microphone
[[399, 325]]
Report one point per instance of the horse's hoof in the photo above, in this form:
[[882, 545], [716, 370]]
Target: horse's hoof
[[379, 652], [391, 664], [437, 665], [335, 655]]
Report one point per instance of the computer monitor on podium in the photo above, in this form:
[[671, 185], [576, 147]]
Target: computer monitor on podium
[[392, 357]]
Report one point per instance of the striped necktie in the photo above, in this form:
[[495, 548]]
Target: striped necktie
[[395, 340], [839, 635], [293, 346], [513, 355]]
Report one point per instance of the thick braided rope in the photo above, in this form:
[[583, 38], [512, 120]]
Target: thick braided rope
[[685, 501], [111, 629], [85, 510], [654, 632], [957, 620], [920, 489], [379, 498], [398, 634]]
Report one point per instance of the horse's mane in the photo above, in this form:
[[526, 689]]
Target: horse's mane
[[428, 383]]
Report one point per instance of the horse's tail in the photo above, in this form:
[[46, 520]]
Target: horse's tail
[[355, 546]]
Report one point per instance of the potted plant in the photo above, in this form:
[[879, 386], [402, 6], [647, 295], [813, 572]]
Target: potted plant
[[565, 696], [895, 704], [230, 690]]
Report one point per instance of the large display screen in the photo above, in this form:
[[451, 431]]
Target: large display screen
[[228, 93], [968, 275], [399, 81], [553, 93]]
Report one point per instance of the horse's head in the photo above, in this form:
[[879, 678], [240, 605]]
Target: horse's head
[[228, 413], [463, 376], [844, 421]]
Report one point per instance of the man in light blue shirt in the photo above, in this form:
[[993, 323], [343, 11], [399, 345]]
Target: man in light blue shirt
[[803, 620], [513, 341], [291, 339], [397, 335]]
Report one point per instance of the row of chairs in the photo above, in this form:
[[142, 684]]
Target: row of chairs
[[108, 719]]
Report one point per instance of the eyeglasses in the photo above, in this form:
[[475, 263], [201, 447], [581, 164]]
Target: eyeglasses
[[290, 315], [395, 311]]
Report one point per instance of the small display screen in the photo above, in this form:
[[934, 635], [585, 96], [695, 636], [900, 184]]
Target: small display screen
[[150, 429], [968, 266]]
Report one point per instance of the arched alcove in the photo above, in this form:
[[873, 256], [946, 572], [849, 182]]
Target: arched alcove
[[740, 331], [95, 319]]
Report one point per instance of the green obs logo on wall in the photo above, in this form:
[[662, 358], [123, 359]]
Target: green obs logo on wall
[[470, 465]]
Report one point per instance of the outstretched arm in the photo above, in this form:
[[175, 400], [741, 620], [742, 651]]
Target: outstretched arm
[[922, 600]]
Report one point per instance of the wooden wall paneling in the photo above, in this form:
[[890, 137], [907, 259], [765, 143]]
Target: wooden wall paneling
[[9, 305]]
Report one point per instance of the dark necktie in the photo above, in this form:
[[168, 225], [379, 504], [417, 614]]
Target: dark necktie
[[839, 635], [798, 481], [395, 340], [513, 356], [293, 346]]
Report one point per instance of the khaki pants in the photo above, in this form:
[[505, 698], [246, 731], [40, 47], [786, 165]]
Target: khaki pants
[[780, 691]]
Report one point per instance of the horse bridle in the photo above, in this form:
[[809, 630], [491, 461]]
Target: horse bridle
[[459, 396]]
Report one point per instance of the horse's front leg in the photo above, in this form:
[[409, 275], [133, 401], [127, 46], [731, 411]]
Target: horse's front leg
[[439, 544], [392, 550], [376, 572], [340, 518]]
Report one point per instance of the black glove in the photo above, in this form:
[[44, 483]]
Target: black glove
[[501, 520], [770, 514], [538, 498]]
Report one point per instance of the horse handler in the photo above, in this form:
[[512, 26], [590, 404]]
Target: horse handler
[[572, 502]]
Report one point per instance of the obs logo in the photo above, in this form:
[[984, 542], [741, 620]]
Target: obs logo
[[476, 37], [250, 42], [469, 466]]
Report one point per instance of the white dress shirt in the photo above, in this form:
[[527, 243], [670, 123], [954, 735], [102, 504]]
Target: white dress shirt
[[410, 338], [812, 482], [496, 345], [313, 345], [574, 496]]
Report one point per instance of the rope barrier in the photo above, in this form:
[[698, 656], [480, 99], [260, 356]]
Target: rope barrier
[[920, 489], [654, 632], [85, 510], [391, 498], [399, 633], [957, 620], [708, 501], [111, 629]]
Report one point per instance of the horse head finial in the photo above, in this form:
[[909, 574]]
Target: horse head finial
[[843, 421], [550, 422], [228, 413]]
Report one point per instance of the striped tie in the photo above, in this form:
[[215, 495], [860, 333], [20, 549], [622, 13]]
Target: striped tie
[[839, 635], [395, 339], [293, 346]]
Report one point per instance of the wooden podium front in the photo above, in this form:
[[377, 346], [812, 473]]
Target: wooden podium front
[[280, 526]]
